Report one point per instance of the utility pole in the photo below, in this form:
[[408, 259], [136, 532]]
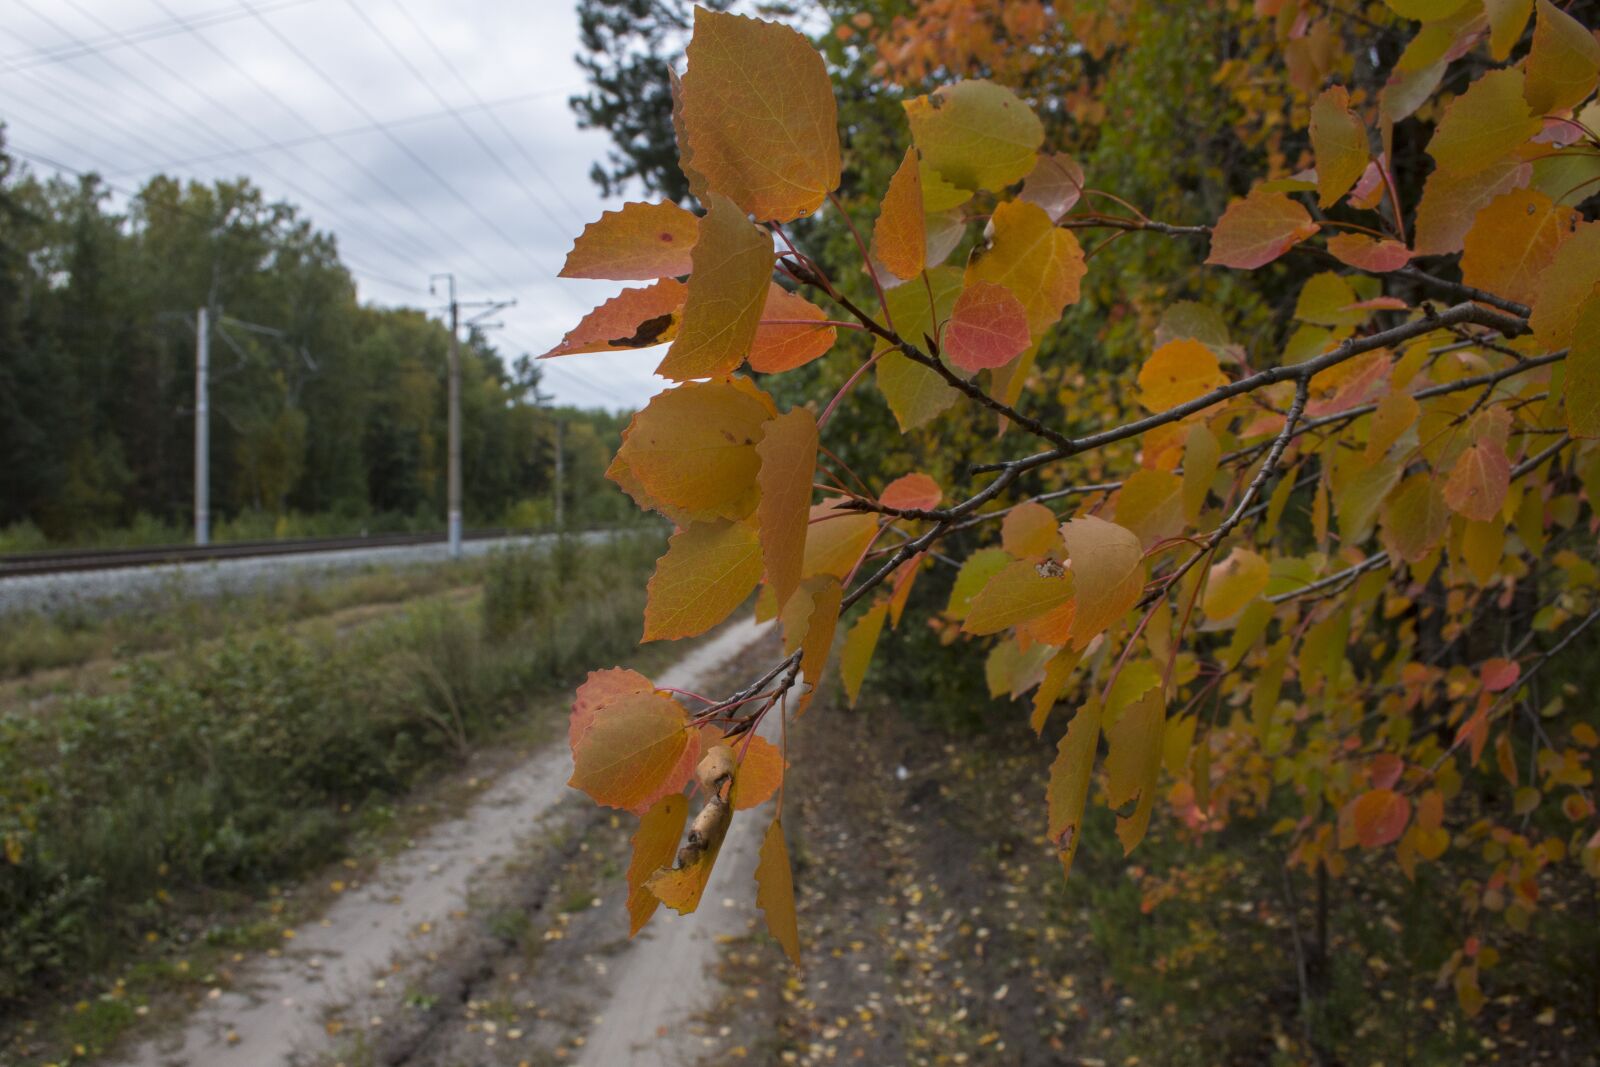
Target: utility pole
[[202, 428], [453, 432]]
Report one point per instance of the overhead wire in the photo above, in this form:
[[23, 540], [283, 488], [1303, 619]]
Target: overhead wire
[[78, 49]]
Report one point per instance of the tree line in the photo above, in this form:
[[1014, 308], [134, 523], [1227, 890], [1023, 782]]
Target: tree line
[[334, 422]]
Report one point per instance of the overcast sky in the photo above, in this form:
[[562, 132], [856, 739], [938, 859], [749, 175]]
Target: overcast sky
[[345, 108]]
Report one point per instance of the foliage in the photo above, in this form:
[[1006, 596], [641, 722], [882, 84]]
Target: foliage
[[235, 764], [342, 418], [1326, 569]]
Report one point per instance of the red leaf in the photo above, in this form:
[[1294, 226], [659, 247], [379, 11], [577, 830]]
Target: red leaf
[[1498, 675], [988, 328], [912, 492], [1258, 229], [1369, 253], [1379, 817]]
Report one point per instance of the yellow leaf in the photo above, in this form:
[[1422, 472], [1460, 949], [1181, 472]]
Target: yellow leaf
[[1056, 674], [1108, 574], [1416, 518], [693, 448], [1563, 63], [1150, 503], [1040, 263], [826, 595], [1513, 241], [1507, 20], [709, 569], [1396, 413], [1015, 595], [975, 572], [900, 237], [638, 241], [1031, 531], [654, 844], [859, 644], [1233, 583], [976, 134], [1425, 10], [775, 891], [1176, 373], [1133, 763], [1565, 286], [727, 292], [758, 115], [1069, 782], [1583, 371], [1339, 140], [836, 539], [638, 750], [1483, 125], [598, 690], [680, 888], [1201, 455], [788, 451], [1482, 546]]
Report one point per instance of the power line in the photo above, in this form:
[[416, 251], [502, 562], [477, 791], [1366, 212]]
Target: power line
[[410, 153], [562, 228], [36, 57]]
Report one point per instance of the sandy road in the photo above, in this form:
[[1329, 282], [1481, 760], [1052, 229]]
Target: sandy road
[[275, 1014]]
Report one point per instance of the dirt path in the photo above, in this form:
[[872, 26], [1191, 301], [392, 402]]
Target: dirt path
[[417, 911]]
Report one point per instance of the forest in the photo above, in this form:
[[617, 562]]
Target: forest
[[332, 422]]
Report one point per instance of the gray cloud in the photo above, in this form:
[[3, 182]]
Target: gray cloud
[[138, 101]]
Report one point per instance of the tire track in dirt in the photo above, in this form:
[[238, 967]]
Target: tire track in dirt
[[416, 906]]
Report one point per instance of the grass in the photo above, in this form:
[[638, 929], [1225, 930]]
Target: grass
[[223, 769]]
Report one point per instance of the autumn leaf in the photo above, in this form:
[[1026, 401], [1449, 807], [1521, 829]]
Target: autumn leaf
[[975, 572], [836, 539], [1258, 229], [859, 644], [1513, 241], [1451, 202], [976, 134], [638, 750], [786, 343], [1583, 371], [1377, 817], [1108, 574], [1150, 503], [1484, 124], [727, 293], [654, 844], [1233, 583], [1563, 63], [1425, 10], [988, 328], [634, 318], [915, 393], [1133, 763], [680, 888], [598, 690], [1565, 286], [759, 117], [1038, 262], [642, 241], [1055, 184], [1369, 253], [775, 891], [1479, 481], [759, 774], [1339, 140], [1016, 594], [694, 448], [826, 596], [1031, 531], [911, 492], [788, 452], [900, 238], [1201, 454], [1068, 789], [1416, 518], [708, 571], [1178, 372], [1396, 413]]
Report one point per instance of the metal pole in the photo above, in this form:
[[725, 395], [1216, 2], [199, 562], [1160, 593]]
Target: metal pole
[[453, 517], [561, 523], [202, 429]]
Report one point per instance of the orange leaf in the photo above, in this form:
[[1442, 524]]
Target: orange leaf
[[1108, 574], [680, 888], [826, 595], [836, 539], [693, 448], [727, 292], [638, 750], [1483, 125], [775, 891], [709, 569], [911, 492], [639, 241], [1379, 817], [1258, 229], [859, 644], [1031, 531], [1566, 285], [1056, 674], [778, 348], [900, 237], [1038, 262], [759, 775], [598, 690], [788, 452], [634, 318], [1069, 782], [1479, 481], [988, 328], [1450, 203], [654, 844], [1339, 140], [759, 116], [1513, 241], [1368, 253], [1176, 373]]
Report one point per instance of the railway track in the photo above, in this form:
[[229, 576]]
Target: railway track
[[66, 561]]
